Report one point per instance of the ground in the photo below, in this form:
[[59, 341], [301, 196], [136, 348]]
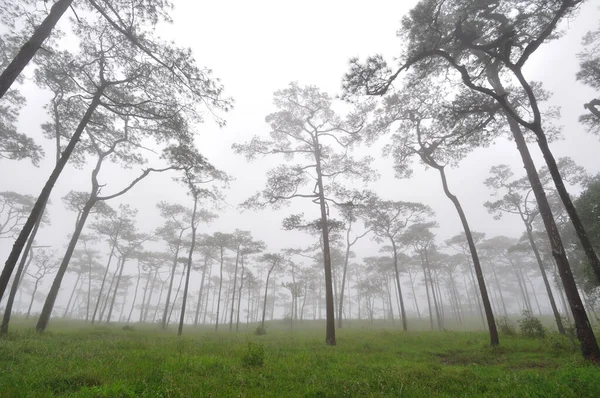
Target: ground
[[80, 360]]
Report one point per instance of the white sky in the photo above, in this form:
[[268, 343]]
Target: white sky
[[257, 48]]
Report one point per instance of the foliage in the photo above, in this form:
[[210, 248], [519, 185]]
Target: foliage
[[254, 356], [505, 326], [260, 330], [531, 326]]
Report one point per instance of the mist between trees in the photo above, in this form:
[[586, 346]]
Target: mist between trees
[[120, 95]]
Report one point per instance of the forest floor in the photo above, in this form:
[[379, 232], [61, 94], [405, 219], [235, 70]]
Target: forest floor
[[109, 361]]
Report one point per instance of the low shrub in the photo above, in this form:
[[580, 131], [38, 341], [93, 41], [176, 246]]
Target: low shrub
[[531, 326], [254, 356]]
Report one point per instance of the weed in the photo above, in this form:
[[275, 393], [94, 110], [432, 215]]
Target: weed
[[254, 356], [506, 327]]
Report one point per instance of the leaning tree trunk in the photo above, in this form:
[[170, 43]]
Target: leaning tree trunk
[[397, 272], [538, 258], [189, 266], [62, 269], [585, 334], [28, 50], [201, 291], [346, 259], [112, 252], [117, 283], [476, 264], [40, 203], [262, 323]]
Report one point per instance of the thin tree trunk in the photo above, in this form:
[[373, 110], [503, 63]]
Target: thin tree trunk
[[189, 265], [37, 281], [237, 258], [143, 306], [475, 257], [23, 265], [173, 269], [146, 304], [117, 282], [201, 290], [220, 288], [397, 273], [112, 251], [72, 295], [262, 323], [239, 304]]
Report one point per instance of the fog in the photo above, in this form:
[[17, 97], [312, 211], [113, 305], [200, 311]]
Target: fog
[[255, 49]]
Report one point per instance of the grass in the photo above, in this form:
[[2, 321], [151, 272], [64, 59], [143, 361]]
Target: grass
[[85, 361]]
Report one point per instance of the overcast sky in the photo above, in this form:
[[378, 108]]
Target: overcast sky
[[258, 47]]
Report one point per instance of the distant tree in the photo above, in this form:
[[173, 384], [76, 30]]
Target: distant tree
[[14, 208], [420, 237], [388, 219], [196, 173], [44, 263], [273, 261], [221, 241], [305, 125]]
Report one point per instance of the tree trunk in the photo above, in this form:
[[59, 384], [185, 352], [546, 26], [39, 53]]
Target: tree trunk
[[143, 306], [189, 266], [23, 265], [201, 290], [346, 259], [173, 269], [112, 251], [117, 282], [402, 311], [53, 293], [237, 258], [262, 323], [220, 288], [28, 50], [40, 203], [433, 293], [476, 264], [585, 334], [538, 258], [37, 281], [72, 295], [239, 304], [330, 323], [135, 292]]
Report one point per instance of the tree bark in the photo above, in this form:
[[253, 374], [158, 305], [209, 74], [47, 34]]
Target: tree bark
[[117, 282], [397, 272]]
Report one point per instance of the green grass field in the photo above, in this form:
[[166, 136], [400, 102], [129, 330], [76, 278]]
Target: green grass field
[[370, 360]]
